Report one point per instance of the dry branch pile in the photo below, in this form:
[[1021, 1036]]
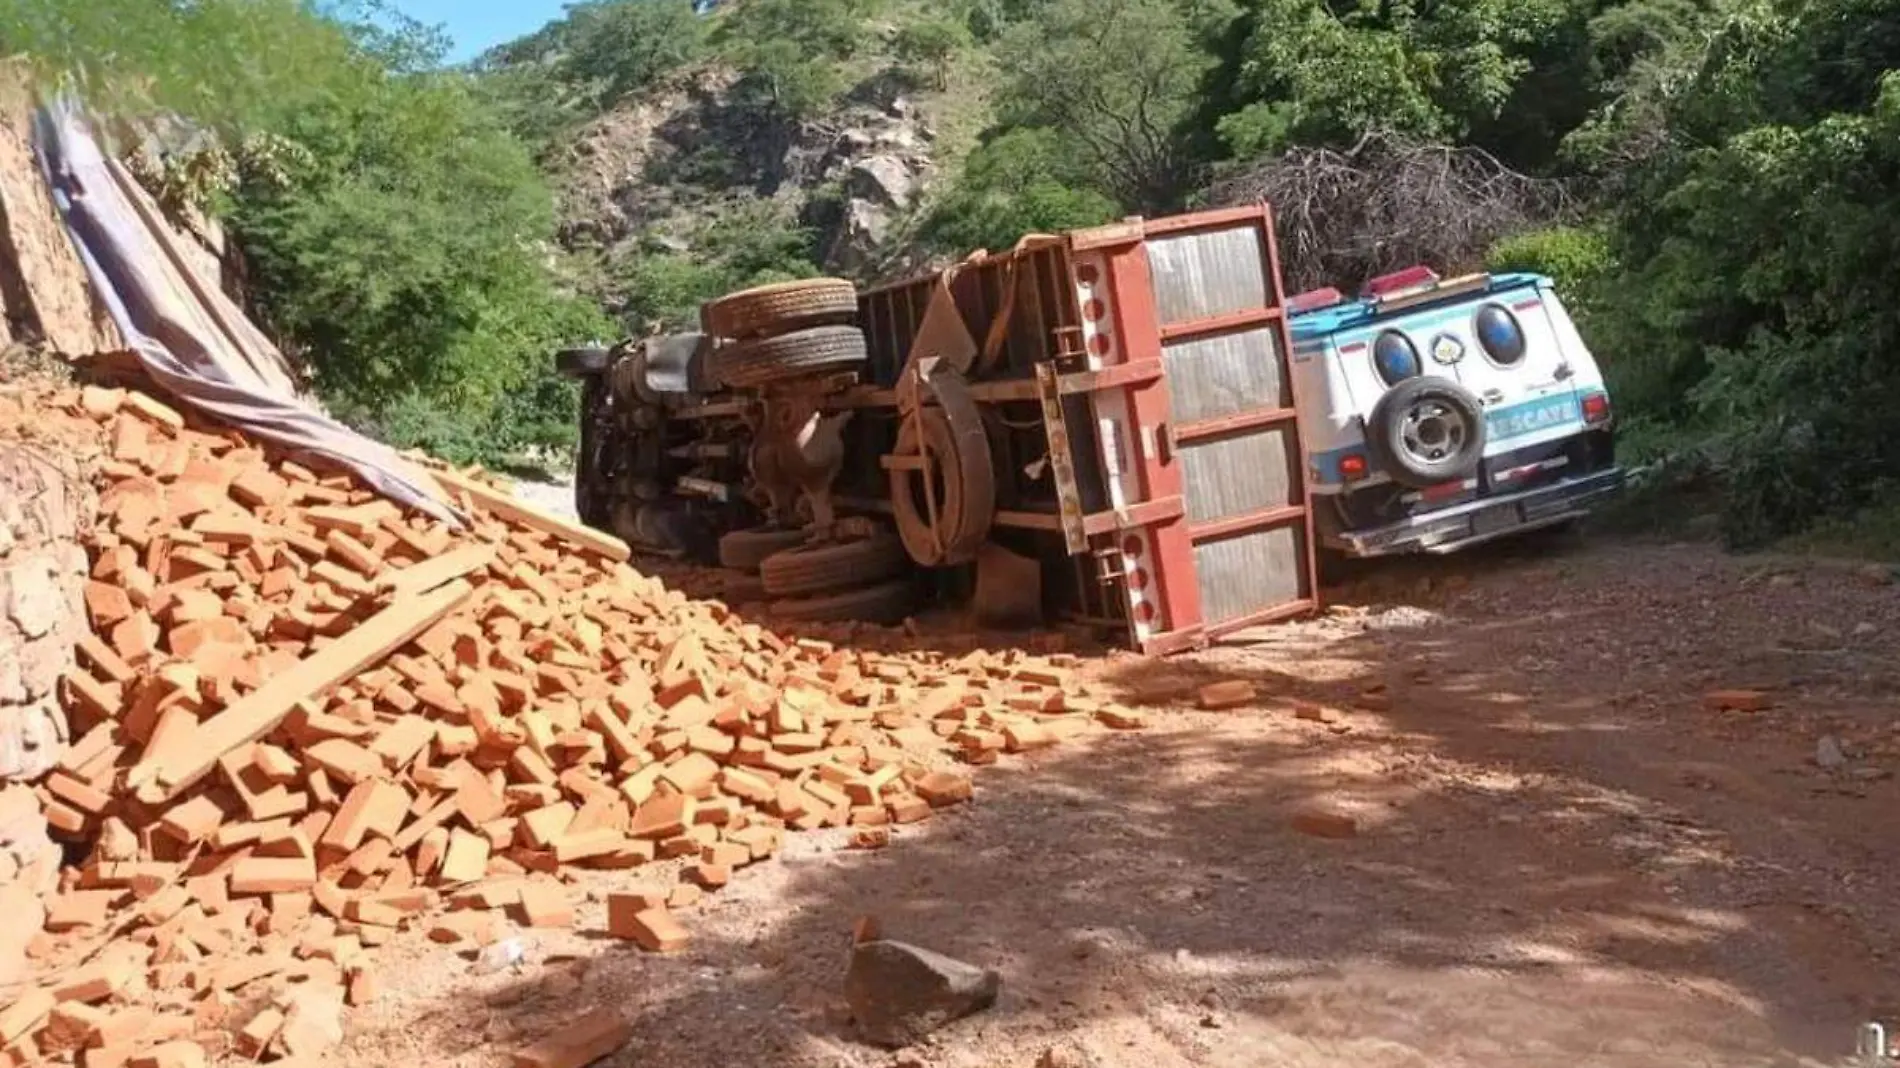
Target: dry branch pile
[[1388, 203], [305, 721]]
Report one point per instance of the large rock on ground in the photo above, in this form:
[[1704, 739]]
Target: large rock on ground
[[900, 993]]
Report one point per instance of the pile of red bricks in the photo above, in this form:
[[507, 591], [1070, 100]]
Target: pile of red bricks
[[307, 720]]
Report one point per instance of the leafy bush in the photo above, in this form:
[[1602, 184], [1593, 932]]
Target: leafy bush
[[1754, 304], [749, 244], [1020, 183], [1575, 257], [1578, 259]]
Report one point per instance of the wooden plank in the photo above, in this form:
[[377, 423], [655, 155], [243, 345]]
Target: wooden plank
[[508, 507], [165, 773], [433, 574]]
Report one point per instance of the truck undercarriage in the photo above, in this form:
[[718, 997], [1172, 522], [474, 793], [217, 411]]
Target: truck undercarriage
[[1105, 414]]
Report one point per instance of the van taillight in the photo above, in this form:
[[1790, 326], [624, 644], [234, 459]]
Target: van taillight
[[1353, 467], [1596, 408]]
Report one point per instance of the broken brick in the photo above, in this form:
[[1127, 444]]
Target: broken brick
[[1231, 693], [652, 929]]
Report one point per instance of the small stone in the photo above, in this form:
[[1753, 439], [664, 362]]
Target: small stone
[[1877, 575], [1862, 630], [1828, 753], [1064, 1056], [900, 993]]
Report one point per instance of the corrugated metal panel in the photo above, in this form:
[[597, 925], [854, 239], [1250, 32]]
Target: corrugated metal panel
[[1209, 275], [1250, 573], [1248, 472], [1226, 373]]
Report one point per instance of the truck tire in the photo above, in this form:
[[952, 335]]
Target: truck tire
[[842, 565], [745, 550], [739, 589], [750, 364], [888, 603], [42, 616], [1426, 431], [584, 361], [593, 495], [771, 310]]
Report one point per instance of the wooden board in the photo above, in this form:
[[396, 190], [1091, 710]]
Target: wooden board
[[508, 507], [164, 774]]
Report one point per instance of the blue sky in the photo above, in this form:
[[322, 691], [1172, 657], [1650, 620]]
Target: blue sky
[[477, 25]]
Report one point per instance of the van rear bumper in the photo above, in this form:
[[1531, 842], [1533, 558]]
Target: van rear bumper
[[1479, 521]]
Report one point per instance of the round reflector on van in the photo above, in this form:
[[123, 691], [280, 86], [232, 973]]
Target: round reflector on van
[[1395, 358], [1500, 334]]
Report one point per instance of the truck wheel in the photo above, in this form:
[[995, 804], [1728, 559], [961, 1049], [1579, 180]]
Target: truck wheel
[[593, 496], [745, 550], [583, 362], [950, 439], [887, 603], [777, 309], [822, 568], [1426, 431], [762, 362], [739, 589]]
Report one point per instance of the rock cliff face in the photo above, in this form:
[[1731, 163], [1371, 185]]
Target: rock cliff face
[[651, 174]]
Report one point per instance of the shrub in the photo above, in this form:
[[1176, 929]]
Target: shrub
[[1020, 183]]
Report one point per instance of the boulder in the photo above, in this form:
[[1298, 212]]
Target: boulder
[[899, 993], [884, 179]]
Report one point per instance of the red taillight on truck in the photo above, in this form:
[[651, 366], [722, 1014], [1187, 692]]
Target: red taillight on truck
[[1353, 466], [1596, 408]]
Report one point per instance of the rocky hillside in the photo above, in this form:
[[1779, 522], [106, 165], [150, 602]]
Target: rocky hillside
[[713, 156], [656, 175]]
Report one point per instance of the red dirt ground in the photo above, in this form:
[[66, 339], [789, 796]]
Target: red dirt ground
[[1562, 857]]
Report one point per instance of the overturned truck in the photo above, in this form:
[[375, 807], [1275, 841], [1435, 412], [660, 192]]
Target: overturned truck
[[1096, 427]]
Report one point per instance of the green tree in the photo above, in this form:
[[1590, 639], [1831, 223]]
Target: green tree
[[933, 42], [228, 63], [1755, 239], [621, 47], [398, 249], [790, 51], [1346, 67], [1117, 80]]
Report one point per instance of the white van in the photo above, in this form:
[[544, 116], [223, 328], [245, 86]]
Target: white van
[[1438, 414]]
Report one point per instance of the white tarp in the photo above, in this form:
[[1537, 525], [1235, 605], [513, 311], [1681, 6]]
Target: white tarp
[[192, 339]]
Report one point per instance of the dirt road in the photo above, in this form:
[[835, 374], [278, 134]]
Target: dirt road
[[1563, 856]]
